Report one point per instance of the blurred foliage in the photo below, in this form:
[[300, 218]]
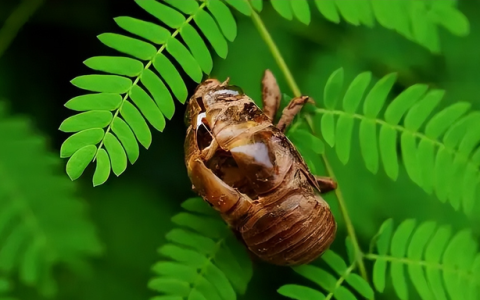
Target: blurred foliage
[[132, 213]]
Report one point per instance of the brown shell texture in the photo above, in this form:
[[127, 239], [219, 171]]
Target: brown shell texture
[[249, 171]]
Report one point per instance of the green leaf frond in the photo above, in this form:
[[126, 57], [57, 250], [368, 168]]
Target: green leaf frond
[[440, 150], [5, 287], [417, 20], [140, 87], [439, 265], [204, 258], [338, 286], [42, 222]]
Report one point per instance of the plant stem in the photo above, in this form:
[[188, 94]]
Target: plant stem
[[348, 221], [276, 54], [296, 91], [15, 21]]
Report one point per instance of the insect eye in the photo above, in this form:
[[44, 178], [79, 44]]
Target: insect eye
[[236, 89]]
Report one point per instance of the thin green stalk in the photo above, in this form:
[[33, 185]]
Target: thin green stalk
[[15, 21], [276, 54], [296, 91]]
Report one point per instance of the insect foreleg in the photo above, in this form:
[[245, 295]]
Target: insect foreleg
[[270, 94], [292, 109], [230, 202]]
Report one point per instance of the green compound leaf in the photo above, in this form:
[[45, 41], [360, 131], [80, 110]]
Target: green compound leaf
[[224, 18], [198, 47], [445, 118], [127, 138], [185, 59], [333, 89], [211, 31], [343, 138], [284, 8], [348, 11], [257, 5], [301, 10], [440, 151], [387, 144], [368, 144], [198, 266], [241, 6], [171, 76], [419, 113], [418, 21], [148, 108], [102, 171], [135, 120], [134, 47], [103, 83], [185, 6], [300, 292], [147, 30], [118, 158], [378, 95], [79, 140], [403, 102], [328, 9], [328, 128], [115, 65], [147, 48], [101, 101], [452, 19], [30, 253], [87, 120], [409, 155], [355, 92], [160, 93], [327, 282], [430, 256], [164, 13], [79, 161]]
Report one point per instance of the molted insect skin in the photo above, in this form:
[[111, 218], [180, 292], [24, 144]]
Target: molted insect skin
[[248, 170]]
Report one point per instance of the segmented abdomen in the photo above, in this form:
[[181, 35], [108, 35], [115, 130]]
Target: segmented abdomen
[[289, 226]]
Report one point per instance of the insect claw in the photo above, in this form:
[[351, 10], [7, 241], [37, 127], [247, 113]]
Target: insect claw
[[225, 83]]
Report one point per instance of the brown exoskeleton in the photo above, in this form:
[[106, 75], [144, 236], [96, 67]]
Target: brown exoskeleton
[[248, 170]]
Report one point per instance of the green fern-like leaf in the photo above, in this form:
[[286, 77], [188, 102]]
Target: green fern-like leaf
[[205, 261], [439, 150], [417, 20], [439, 266], [138, 89], [333, 285], [42, 223]]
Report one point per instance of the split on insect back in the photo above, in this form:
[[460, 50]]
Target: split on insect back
[[246, 168]]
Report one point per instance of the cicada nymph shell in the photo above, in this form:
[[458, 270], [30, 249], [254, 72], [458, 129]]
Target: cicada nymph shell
[[247, 169]]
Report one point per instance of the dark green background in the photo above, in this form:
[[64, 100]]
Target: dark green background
[[133, 212]]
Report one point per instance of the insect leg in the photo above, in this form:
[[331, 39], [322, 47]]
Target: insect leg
[[326, 184], [292, 109], [209, 152], [270, 94], [221, 196]]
